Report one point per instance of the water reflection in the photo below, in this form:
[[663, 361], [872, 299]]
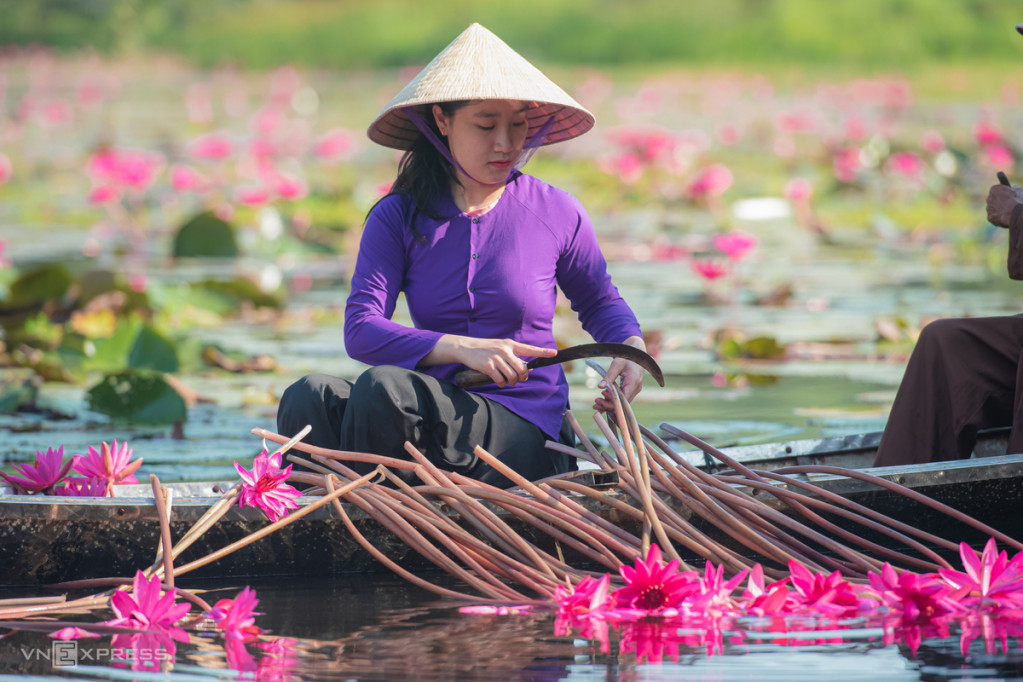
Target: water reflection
[[380, 628]]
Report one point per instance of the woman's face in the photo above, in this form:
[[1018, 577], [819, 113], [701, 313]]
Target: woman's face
[[485, 137]]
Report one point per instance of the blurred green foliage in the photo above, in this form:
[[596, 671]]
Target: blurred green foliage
[[360, 33]]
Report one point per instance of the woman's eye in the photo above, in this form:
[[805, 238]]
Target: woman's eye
[[519, 124]]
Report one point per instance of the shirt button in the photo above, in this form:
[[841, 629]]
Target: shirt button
[[471, 289], [472, 319], [475, 220], [475, 256]]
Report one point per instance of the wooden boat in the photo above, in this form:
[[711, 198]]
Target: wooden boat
[[46, 539]]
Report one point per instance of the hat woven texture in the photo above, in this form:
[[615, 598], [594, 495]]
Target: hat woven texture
[[478, 65]]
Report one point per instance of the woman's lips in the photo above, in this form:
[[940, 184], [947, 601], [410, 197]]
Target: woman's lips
[[500, 164]]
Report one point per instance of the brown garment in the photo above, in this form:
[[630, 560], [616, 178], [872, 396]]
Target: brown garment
[[1015, 260], [965, 374]]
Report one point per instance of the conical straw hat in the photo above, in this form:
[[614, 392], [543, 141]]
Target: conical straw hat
[[479, 65]]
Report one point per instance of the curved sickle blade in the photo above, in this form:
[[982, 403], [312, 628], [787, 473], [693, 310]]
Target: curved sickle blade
[[471, 377]]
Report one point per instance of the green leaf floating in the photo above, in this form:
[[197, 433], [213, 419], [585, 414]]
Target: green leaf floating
[[44, 283], [239, 290], [138, 396], [152, 350], [17, 389], [205, 236]]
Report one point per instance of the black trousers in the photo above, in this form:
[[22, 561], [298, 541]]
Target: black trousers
[[964, 375], [388, 405]]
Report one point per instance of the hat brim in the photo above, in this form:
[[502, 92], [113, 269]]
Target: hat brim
[[393, 128]]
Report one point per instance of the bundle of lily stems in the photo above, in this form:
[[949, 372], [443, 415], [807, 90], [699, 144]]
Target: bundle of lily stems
[[468, 528], [473, 531]]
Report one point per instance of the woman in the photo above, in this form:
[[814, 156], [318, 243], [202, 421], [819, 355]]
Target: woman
[[478, 249]]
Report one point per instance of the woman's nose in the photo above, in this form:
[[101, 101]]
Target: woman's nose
[[504, 140]]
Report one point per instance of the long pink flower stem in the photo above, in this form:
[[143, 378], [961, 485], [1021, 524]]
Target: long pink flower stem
[[403, 516], [560, 526], [864, 521], [858, 559], [881, 520], [205, 522], [389, 462], [484, 519], [758, 509], [415, 499], [552, 520], [370, 507], [627, 454], [401, 527], [597, 456], [694, 498], [684, 533], [384, 559], [718, 516], [263, 532], [166, 547], [908, 492]]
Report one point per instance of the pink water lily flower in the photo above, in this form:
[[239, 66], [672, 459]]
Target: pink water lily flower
[[829, 594], [145, 609], [264, 486], [212, 147], [236, 617], [709, 269], [586, 596], [735, 244], [334, 144], [914, 595], [713, 181], [73, 633], [772, 599], [990, 580], [653, 586], [715, 593], [42, 476], [110, 464], [82, 487]]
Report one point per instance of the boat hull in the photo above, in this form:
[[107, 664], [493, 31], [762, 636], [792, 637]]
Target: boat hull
[[47, 539]]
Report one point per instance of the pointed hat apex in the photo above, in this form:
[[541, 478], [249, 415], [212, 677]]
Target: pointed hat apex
[[478, 65]]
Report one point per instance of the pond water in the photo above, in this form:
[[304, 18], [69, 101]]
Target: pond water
[[359, 627], [824, 299], [380, 628]]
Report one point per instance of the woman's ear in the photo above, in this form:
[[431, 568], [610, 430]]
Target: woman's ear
[[440, 119]]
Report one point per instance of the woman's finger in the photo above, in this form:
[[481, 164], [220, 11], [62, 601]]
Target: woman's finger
[[534, 351]]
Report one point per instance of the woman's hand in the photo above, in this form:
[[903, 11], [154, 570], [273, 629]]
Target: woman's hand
[[1001, 199], [631, 376], [497, 358]]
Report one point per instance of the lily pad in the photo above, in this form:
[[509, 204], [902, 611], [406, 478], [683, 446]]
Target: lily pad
[[137, 396], [152, 350], [44, 283], [17, 390], [205, 236], [239, 290], [111, 354]]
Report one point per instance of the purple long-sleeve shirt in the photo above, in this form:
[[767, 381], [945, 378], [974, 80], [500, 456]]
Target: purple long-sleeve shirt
[[492, 276]]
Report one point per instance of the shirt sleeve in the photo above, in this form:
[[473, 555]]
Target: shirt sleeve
[[369, 333], [583, 277]]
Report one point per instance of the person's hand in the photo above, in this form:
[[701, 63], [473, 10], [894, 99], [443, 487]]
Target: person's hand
[[1001, 200], [630, 374], [497, 358]]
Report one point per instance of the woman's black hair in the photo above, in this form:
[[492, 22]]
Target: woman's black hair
[[423, 172]]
